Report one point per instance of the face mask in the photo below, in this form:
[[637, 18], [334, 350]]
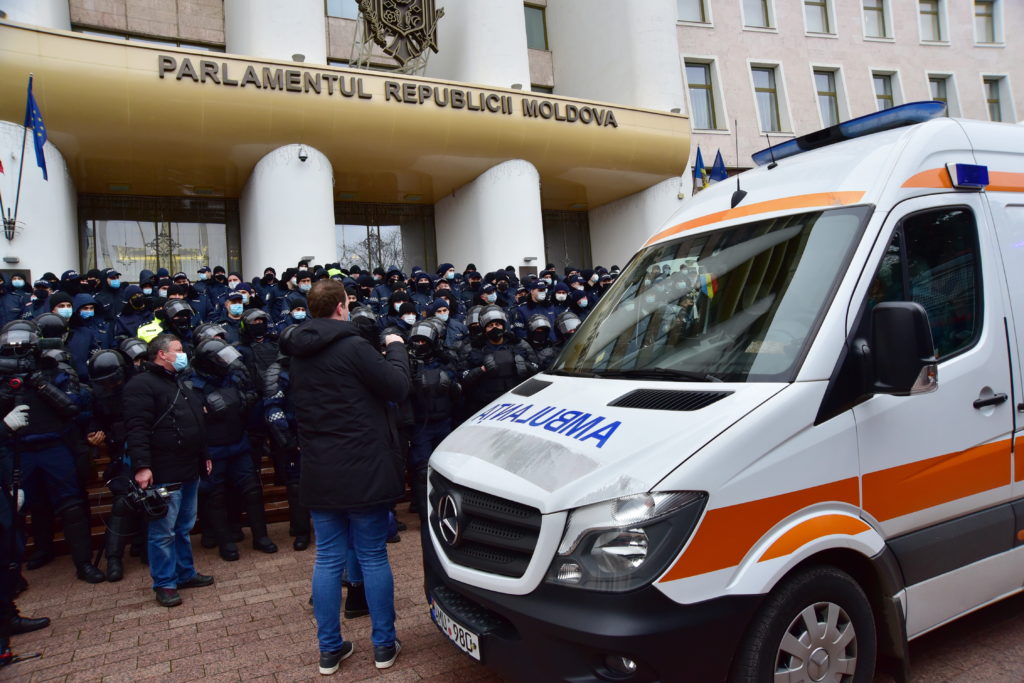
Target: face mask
[[547, 280], [235, 309], [41, 293], [85, 315], [293, 281], [450, 275], [502, 286], [495, 333], [299, 315], [220, 278], [147, 291], [583, 303], [258, 330], [115, 284], [491, 298], [443, 317], [180, 361], [423, 286], [202, 276], [305, 287], [245, 300], [396, 306], [163, 293], [64, 312], [542, 297], [378, 278], [232, 284], [17, 283], [577, 286], [561, 297], [409, 318]]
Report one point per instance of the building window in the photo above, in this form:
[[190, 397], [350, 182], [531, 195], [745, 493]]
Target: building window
[[536, 29], [985, 21], [816, 13], [993, 97], [875, 23], [767, 95], [692, 10], [931, 20], [703, 113], [546, 89], [757, 14], [883, 91], [828, 97], [170, 42], [344, 9], [942, 90]]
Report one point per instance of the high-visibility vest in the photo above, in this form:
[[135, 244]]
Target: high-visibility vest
[[150, 330]]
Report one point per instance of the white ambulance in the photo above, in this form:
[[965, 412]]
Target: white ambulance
[[783, 464]]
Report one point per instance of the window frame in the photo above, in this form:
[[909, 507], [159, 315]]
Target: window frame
[[717, 98], [952, 92], [895, 85], [832, 29], [998, 37], [769, 9], [327, 12], [543, 22], [941, 20], [1008, 113], [781, 95], [142, 39], [886, 12], [705, 6], [839, 83]]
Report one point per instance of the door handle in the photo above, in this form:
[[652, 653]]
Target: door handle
[[993, 400]]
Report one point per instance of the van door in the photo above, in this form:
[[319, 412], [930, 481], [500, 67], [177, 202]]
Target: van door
[[935, 468]]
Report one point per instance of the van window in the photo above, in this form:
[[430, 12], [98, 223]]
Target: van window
[[933, 260], [737, 304]]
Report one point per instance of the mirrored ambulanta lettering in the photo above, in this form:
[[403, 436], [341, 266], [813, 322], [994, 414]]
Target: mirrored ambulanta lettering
[[575, 424]]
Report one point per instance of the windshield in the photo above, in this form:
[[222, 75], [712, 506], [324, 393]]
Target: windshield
[[738, 304]]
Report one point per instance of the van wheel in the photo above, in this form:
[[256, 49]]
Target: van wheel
[[817, 625]]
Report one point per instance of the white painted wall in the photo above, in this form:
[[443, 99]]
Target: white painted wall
[[47, 234], [615, 51], [287, 211], [493, 221], [482, 42], [45, 13], [276, 30], [618, 229]]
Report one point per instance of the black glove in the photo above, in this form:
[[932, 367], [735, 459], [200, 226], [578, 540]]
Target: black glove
[[490, 364]]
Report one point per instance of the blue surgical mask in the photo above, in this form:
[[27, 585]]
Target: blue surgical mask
[[305, 287], [409, 318], [491, 298], [85, 315], [202, 276], [299, 315], [397, 306], [443, 317], [245, 300], [235, 309], [17, 283], [180, 361], [163, 293], [450, 275], [115, 283], [64, 312], [147, 290], [583, 303]]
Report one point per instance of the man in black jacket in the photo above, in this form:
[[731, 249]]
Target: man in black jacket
[[352, 463], [165, 442]]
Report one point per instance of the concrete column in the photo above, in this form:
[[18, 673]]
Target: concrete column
[[46, 237], [276, 30], [493, 221], [44, 13], [482, 43], [287, 211], [614, 51], [621, 227]]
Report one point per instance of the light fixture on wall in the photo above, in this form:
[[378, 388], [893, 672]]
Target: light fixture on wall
[[12, 259], [529, 259], [675, 110]]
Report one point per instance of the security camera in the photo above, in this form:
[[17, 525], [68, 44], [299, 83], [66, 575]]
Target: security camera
[[302, 154]]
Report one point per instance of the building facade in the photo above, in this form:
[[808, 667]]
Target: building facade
[[250, 133]]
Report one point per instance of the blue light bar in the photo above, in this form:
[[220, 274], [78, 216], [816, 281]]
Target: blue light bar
[[968, 176], [897, 117]]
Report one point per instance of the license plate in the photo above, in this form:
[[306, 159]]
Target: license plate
[[465, 640]]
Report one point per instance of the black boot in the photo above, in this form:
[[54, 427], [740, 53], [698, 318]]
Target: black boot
[[207, 535], [42, 536], [298, 517], [79, 540], [13, 624], [217, 515], [253, 499], [119, 529], [355, 602]]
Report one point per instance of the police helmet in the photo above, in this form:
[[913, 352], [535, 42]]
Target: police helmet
[[473, 315], [50, 359], [21, 324], [538, 327], [107, 368], [491, 314], [423, 338], [217, 357], [18, 341], [361, 312], [566, 323], [179, 315], [51, 326], [255, 323], [133, 349], [209, 331], [438, 325]]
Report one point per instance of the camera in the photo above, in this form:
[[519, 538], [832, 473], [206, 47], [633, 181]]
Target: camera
[[152, 502]]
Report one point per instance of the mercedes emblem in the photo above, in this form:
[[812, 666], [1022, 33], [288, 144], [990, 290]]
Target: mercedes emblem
[[448, 521]]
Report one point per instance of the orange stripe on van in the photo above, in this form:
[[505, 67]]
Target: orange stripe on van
[[811, 529], [923, 484], [1018, 459], [938, 178], [819, 200], [726, 534]]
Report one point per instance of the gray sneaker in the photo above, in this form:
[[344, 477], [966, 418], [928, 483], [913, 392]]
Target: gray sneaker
[[384, 656], [330, 661]]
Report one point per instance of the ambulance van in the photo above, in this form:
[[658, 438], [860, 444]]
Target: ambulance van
[[781, 465]]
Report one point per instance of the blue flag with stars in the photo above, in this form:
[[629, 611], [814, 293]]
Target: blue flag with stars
[[34, 121]]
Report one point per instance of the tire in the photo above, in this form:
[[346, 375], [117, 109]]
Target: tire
[[839, 647]]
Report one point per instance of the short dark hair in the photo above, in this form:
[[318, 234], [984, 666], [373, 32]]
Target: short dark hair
[[161, 342], [324, 298]]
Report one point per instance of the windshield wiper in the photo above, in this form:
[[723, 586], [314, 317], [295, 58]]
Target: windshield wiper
[[566, 373], [660, 373]]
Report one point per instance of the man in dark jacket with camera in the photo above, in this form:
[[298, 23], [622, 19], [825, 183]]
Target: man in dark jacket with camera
[[352, 463], [163, 417]]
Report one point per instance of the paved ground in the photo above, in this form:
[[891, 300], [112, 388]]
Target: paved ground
[[254, 625]]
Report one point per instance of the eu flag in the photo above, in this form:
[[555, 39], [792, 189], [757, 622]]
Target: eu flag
[[34, 120], [718, 171]]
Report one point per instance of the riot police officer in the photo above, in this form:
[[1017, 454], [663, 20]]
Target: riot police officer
[[499, 362]]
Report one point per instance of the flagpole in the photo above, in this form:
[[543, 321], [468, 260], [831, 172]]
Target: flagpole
[[21, 162]]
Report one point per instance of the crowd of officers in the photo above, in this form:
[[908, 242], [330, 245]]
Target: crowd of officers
[[69, 345]]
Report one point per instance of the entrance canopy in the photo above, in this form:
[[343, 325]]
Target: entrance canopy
[[136, 119]]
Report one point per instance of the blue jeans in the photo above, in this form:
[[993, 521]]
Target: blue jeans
[[170, 549], [368, 528]]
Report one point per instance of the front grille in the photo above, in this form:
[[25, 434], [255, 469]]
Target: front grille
[[496, 535], [669, 399]]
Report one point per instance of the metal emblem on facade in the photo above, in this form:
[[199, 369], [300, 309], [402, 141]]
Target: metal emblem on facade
[[411, 24], [448, 521]]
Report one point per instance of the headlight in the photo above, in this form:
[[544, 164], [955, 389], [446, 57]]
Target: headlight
[[622, 544]]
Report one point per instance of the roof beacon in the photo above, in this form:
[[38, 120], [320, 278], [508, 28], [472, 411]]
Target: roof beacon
[[897, 117], [968, 176]]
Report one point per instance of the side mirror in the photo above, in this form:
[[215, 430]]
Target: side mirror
[[902, 350]]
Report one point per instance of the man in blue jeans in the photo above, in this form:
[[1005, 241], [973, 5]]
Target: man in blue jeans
[[352, 463], [166, 444]]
